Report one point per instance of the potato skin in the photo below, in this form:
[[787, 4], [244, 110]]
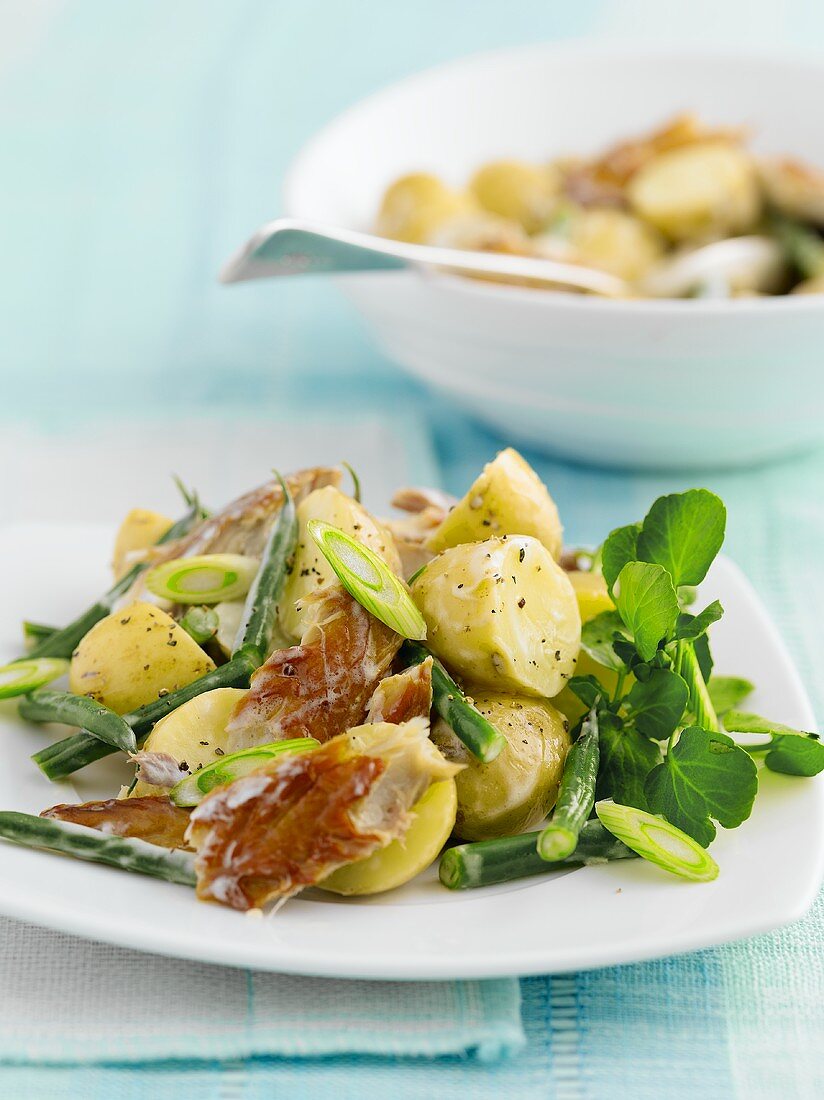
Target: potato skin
[[519, 787], [401, 860], [508, 498], [501, 613], [194, 734], [140, 529], [311, 571], [134, 656], [705, 190]]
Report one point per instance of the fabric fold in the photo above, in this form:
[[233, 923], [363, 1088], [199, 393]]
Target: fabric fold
[[107, 1004]]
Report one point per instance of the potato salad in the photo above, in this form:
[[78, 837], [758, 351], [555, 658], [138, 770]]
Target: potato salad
[[305, 695], [686, 211]]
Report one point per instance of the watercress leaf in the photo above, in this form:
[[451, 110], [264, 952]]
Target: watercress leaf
[[739, 721], [727, 692], [657, 706], [626, 652], [598, 636], [588, 690], [687, 595], [618, 549], [796, 755], [683, 532], [791, 751], [694, 626], [704, 776], [626, 759], [648, 605]]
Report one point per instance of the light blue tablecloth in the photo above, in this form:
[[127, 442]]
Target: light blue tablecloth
[[138, 144]]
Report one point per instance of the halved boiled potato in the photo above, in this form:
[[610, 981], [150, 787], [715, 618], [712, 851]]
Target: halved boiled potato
[[614, 241], [194, 734], [519, 787], [708, 189], [139, 530], [401, 860], [415, 206], [311, 571], [134, 656], [503, 614], [507, 499], [525, 193], [591, 592]]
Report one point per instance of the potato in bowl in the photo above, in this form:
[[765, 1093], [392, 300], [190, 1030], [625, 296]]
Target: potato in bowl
[[637, 382]]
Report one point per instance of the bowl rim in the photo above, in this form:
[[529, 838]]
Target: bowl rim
[[546, 299]]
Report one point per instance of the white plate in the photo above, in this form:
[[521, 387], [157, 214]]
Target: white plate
[[623, 912]]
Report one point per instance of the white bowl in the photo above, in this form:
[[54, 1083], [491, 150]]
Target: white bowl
[[642, 383]]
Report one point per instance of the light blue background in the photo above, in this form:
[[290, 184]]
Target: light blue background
[[140, 142]]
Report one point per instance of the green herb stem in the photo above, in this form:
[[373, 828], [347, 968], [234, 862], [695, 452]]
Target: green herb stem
[[700, 702]]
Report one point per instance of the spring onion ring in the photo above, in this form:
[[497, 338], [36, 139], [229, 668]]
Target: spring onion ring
[[654, 839], [24, 676], [203, 579], [191, 790], [369, 580]]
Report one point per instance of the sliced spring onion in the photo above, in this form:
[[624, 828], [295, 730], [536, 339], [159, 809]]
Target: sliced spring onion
[[190, 791], [200, 623], [369, 580], [24, 676], [208, 578], [654, 839]]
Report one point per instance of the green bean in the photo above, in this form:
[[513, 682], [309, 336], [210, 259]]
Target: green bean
[[467, 722], [78, 710], [63, 642], [576, 795], [260, 613], [72, 753], [514, 857], [127, 853]]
